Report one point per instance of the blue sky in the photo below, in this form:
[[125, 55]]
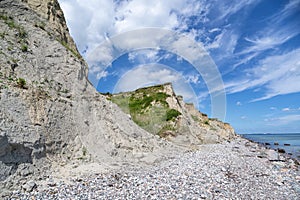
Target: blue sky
[[254, 44]]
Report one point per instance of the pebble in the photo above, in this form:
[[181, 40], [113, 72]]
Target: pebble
[[216, 171]]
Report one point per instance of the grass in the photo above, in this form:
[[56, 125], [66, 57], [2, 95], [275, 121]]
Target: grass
[[172, 114], [24, 48], [148, 108], [21, 82], [22, 34]]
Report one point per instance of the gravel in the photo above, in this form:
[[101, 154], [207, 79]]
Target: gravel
[[233, 170]]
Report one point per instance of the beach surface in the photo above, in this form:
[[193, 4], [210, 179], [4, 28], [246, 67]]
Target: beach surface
[[239, 169]]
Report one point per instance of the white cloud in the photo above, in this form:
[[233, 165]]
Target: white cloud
[[276, 33], [270, 38], [273, 108], [288, 109], [102, 74], [195, 79], [238, 103], [226, 9], [91, 21], [144, 56], [87, 23], [214, 30], [278, 74], [153, 74], [284, 120]]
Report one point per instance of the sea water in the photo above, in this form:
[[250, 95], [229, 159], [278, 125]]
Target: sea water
[[290, 142]]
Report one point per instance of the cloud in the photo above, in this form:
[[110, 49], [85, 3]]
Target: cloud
[[102, 74], [226, 10], [92, 21], [284, 120], [153, 74], [278, 74], [87, 25], [195, 78], [290, 109], [270, 38], [238, 103], [275, 33], [144, 56]]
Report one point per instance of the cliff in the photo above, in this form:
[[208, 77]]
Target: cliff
[[160, 111], [50, 115]]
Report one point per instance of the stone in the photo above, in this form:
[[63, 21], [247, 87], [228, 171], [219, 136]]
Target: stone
[[29, 186], [280, 150]]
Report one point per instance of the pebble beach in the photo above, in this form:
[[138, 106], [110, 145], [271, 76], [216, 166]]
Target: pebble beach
[[232, 170]]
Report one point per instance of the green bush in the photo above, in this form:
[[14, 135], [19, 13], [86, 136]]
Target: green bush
[[206, 122], [171, 114], [21, 82], [24, 48]]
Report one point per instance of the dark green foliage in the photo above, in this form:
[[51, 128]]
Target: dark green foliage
[[172, 114], [206, 122], [137, 103], [21, 82], [148, 107], [24, 48], [21, 32]]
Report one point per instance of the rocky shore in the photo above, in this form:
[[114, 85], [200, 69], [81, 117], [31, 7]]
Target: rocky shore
[[238, 169]]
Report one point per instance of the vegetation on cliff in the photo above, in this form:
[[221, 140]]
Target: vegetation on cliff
[[148, 107]]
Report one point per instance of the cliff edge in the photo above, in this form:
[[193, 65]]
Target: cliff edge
[[158, 110], [50, 115]]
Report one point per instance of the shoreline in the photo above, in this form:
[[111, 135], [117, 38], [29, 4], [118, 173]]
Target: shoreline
[[233, 169], [296, 158]]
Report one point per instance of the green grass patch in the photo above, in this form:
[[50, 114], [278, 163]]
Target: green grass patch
[[21, 82], [148, 108], [172, 114], [24, 48]]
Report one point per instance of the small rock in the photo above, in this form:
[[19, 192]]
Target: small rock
[[29, 186], [280, 150]]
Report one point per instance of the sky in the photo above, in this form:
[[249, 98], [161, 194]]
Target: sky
[[238, 60]]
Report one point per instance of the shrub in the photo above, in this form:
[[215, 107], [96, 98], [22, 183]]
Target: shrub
[[171, 114], [206, 122], [24, 48], [21, 82]]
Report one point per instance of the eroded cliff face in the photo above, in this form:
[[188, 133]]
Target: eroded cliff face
[[161, 112], [50, 114], [50, 11]]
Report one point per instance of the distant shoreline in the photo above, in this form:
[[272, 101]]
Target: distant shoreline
[[281, 146]]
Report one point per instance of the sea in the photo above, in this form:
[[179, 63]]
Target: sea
[[290, 142]]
